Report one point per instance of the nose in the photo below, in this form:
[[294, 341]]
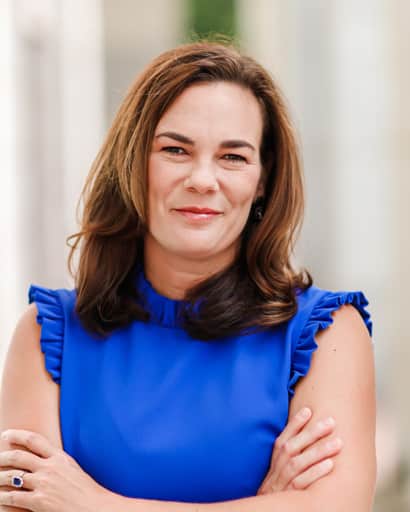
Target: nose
[[202, 178]]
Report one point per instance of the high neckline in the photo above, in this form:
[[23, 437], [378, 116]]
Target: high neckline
[[163, 310]]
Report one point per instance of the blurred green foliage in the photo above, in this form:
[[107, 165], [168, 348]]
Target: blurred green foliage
[[210, 18]]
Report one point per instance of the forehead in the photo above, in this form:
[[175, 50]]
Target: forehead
[[217, 110]]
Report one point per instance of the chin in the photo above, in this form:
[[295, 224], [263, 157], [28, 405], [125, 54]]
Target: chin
[[193, 246], [202, 248], [196, 251]]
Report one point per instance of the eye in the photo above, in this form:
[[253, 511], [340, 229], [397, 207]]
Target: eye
[[234, 158], [175, 150]]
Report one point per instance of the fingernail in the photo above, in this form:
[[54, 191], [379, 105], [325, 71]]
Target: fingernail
[[330, 421], [327, 464], [337, 442], [305, 412], [4, 435]]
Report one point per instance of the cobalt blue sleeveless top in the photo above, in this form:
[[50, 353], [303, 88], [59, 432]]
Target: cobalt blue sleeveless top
[[151, 413]]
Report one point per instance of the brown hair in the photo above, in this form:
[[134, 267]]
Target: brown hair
[[259, 288]]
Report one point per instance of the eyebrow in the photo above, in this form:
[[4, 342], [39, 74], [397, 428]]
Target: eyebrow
[[233, 143]]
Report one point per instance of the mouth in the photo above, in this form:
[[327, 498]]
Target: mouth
[[197, 209], [196, 213]]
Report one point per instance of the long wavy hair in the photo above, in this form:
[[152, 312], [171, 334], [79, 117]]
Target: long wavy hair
[[259, 288]]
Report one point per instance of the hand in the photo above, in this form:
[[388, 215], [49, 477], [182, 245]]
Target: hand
[[53, 481], [301, 454]]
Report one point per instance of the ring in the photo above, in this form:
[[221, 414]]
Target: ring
[[17, 481]]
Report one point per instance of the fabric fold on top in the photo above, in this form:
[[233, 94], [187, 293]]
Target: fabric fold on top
[[163, 310], [51, 318]]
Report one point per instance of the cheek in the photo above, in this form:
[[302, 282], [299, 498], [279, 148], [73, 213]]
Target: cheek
[[241, 192], [161, 184]]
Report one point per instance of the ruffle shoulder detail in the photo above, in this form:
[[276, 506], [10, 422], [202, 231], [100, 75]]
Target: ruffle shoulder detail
[[320, 318], [51, 318]]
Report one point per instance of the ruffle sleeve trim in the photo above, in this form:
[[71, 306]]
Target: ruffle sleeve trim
[[320, 318], [51, 318]]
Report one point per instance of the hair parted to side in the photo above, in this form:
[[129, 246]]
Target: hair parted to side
[[257, 290]]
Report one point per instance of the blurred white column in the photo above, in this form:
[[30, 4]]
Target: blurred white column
[[363, 142], [9, 282], [61, 118], [52, 123], [136, 32], [82, 76], [269, 31]]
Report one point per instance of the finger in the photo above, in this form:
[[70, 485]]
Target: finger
[[20, 499], [284, 463], [312, 474], [287, 447], [34, 441], [20, 459], [317, 452], [313, 455], [7, 476], [312, 433], [295, 425]]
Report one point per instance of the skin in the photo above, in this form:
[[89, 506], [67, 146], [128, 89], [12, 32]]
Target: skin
[[179, 252]]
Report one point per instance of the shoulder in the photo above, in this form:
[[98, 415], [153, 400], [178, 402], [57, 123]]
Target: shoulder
[[314, 297], [40, 328], [24, 342], [318, 310], [345, 343]]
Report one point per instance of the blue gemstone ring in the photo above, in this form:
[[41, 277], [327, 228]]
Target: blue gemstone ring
[[17, 481]]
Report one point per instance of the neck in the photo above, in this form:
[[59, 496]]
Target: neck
[[172, 274]]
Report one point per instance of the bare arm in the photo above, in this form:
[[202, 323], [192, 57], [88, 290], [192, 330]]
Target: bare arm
[[29, 399]]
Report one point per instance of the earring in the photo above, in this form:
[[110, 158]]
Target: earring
[[257, 210]]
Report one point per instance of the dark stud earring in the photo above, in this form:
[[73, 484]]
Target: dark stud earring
[[257, 210]]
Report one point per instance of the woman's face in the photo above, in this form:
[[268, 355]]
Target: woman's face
[[204, 171]]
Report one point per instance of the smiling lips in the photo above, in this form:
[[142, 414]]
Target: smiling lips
[[196, 213]]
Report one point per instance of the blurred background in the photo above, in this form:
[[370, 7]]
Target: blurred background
[[344, 68]]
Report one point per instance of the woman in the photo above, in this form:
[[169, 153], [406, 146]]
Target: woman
[[171, 377]]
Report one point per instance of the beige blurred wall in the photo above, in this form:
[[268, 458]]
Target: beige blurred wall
[[400, 176]]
